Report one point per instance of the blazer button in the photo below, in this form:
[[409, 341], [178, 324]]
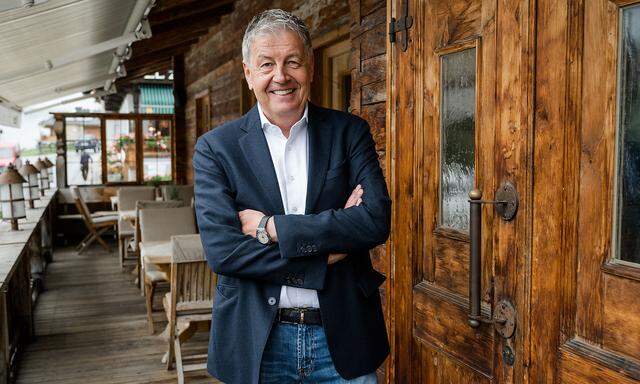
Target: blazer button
[[271, 301], [309, 248]]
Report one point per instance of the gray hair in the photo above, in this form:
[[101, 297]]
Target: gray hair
[[272, 21]]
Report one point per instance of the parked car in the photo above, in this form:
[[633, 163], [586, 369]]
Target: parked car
[[8, 154], [87, 143]]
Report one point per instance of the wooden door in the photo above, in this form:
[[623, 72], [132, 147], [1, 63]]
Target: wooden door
[[459, 119], [586, 269]]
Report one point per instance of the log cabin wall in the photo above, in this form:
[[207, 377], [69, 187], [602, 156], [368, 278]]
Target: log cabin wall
[[213, 70]]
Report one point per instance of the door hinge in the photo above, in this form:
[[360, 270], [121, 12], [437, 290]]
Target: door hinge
[[402, 25]]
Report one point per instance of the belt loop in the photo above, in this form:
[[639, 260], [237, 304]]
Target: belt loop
[[302, 316]]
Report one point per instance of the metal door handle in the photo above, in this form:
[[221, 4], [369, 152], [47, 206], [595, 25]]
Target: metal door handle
[[506, 204]]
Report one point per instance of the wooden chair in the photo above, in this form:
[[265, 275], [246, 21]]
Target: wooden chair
[[96, 225], [189, 303], [157, 225], [127, 197], [144, 204]]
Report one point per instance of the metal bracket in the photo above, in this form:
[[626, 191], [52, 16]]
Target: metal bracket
[[402, 25], [503, 319]]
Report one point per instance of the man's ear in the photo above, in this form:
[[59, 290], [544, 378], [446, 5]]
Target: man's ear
[[247, 75]]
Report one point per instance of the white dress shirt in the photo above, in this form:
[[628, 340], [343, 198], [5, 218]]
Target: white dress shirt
[[290, 158]]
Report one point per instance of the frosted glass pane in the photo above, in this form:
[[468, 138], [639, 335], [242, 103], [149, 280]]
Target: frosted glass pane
[[19, 209], [457, 137], [16, 191], [4, 192], [629, 137]]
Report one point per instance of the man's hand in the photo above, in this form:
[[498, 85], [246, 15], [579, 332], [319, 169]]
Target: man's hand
[[250, 220], [354, 200]]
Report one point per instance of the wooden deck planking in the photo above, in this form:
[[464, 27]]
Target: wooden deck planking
[[91, 327]]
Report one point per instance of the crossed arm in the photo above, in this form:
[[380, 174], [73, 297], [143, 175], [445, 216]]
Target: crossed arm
[[234, 252]]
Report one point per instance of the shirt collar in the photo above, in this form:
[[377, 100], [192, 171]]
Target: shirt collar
[[264, 122]]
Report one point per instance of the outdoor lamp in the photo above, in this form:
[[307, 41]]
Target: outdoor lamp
[[11, 197], [44, 176], [50, 167], [30, 173]]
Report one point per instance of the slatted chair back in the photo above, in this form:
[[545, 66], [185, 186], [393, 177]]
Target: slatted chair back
[[192, 287], [81, 206], [95, 226], [152, 204], [159, 224], [190, 300], [127, 196], [183, 193]]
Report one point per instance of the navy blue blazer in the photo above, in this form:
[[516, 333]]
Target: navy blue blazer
[[234, 171]]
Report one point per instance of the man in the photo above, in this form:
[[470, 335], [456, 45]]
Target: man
[[290, 198], [85, 158]]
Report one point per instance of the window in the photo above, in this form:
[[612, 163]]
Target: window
[[203, 113], [156, 149], [628, 163], [121, 151], [84, 146], [457, 137], [333, 76], [118, 148]]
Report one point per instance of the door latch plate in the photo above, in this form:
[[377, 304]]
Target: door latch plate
[[504, 319], [507, 201]]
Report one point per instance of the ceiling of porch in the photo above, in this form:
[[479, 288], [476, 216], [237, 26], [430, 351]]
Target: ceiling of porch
[[61, 47]]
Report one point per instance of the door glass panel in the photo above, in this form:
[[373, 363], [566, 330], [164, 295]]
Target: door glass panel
[[157, 150], [83, 142], [457, 137], [121, 150], [628, 172]]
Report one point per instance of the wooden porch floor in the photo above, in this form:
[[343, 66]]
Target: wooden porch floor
[[91, 327]]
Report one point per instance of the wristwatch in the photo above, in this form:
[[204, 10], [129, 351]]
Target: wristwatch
[[261, 233]]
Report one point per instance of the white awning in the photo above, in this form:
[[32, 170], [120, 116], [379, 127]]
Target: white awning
[[61, 47]]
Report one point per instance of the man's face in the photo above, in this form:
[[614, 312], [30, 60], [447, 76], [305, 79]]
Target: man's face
[[280, 74]]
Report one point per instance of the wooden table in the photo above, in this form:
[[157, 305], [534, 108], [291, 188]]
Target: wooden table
[[18, 251]]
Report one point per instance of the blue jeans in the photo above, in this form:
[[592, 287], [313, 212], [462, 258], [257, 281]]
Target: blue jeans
[[299, 354]]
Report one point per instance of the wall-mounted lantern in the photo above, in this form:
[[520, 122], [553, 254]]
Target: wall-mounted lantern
[[30, 173], [11, 196], [44, 175]]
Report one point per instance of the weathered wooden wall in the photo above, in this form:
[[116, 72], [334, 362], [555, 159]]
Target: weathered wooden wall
[[214, 64]]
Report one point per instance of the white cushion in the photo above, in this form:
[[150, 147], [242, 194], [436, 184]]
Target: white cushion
[[153, 274], [151, 249], [103, 219]]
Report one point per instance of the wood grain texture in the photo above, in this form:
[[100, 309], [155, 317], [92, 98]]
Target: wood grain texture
[[581, 362], [441, 320], [596, 163], [440, 368], [513, 151], [621, 323], [548, 218]]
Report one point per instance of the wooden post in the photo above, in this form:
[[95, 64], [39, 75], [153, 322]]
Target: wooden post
[[61, 169], [179, 165]]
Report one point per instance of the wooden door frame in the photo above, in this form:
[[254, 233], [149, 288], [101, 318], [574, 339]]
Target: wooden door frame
[[515, 39]]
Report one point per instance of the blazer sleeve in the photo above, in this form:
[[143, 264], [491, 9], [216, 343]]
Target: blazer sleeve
[[343, 230], [228, 251]]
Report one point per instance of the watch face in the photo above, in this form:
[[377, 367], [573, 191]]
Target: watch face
[[262, 237]]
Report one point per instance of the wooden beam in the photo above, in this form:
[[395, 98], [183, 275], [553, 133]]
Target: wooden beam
[[158, 17], [174, 37], [170, 4], [141, 60], [194, 22], [147, 70]]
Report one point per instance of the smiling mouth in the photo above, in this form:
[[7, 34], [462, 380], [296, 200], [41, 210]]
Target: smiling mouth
[[282, 92]]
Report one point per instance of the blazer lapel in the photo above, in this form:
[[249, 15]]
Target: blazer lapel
[[319, 153], [256, 150]]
